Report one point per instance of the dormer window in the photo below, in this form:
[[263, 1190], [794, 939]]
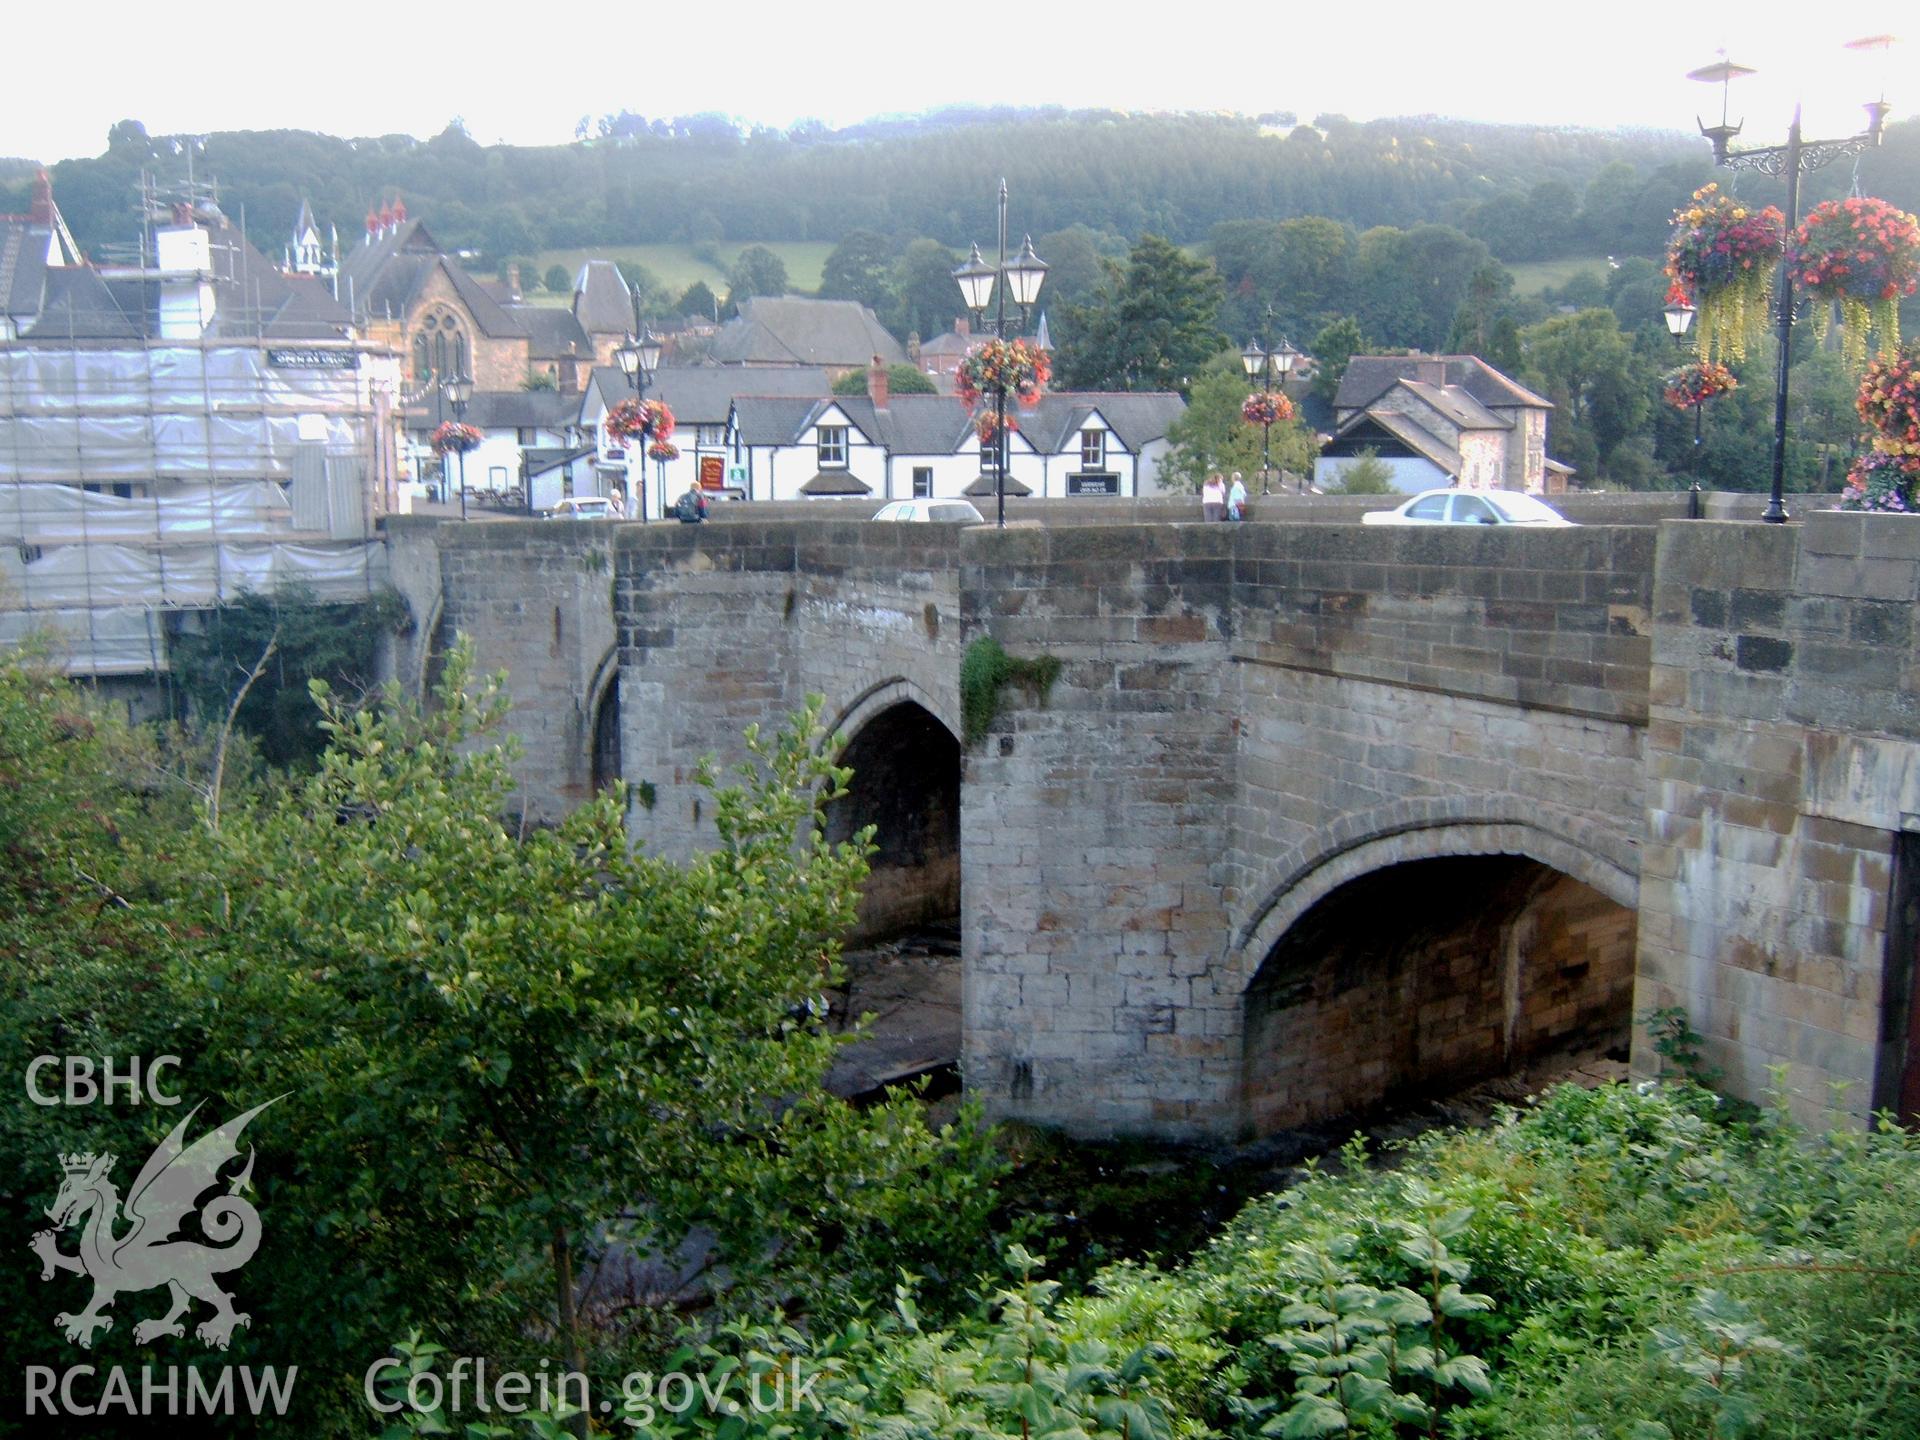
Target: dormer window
[[1093, 449], [833, 447]]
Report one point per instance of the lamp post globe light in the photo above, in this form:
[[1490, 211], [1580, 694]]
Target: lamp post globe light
[[1270, 368], [638, 357], [1788, 161], [1679, 316], [459, 391], [981, 283]]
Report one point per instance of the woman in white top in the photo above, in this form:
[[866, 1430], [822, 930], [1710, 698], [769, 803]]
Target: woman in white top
[[1213, 497]]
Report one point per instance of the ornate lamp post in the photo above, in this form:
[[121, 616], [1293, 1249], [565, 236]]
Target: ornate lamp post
[[638, 358], [1270, 368], [977, 281], [1679, 317], [439, 419], [459, 392], [1789, 162]]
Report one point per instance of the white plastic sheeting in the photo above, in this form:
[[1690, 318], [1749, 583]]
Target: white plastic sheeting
[[109, 576], [138, 414], [125, 641], [68, 515], [49, 381]]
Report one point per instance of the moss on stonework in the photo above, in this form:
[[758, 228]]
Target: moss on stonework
[[985, 670]]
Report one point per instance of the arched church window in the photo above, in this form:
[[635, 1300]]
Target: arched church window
[[439, 347]]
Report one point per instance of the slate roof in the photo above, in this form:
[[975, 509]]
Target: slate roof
[[79, 305], [773, 419], [1402, 428], [951, 343], [835, 482], [789, 329], [939, 424], [505, 410], [911, 424], [385, 277], [23, 265], [602, 303], [1368, 377], [555, 332], [1458, 405], [985, 486], [1137, 417], [538, 460], [703, 394]]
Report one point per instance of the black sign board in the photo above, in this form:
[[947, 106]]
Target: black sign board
[[1093, 484], [313, 359]]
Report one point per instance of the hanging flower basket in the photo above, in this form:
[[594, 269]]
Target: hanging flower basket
[[454, 438], [1864, 256], [632, 418], [1266, 407], [987, 426], [1889, 401], [1024, 370], [663, 450], [1696, 383], [1723, 254], [1883, 482]]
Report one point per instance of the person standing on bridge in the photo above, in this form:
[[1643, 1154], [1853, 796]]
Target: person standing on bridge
[[1213, 497], [1237, 498]]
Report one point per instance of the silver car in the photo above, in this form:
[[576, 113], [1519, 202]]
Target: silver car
[[1469, 507], [958, 512]]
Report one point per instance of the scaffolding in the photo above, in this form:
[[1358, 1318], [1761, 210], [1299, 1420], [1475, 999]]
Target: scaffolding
[[140, 480]]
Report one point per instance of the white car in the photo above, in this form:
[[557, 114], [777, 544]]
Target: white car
[[1469, 507], [954, 511], [583, 507]]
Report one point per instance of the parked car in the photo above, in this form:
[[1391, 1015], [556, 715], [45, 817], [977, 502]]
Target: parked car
[[583, 507], [1468, 507], [958, 512]]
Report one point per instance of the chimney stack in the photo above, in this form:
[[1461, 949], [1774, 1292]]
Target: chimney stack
[[963, 327], [40, 211], [513, 283], [877, 382]]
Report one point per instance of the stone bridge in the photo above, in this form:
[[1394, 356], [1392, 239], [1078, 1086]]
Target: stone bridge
[[1315, 814]]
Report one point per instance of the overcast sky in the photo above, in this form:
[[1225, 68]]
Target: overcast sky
[[529, 75]]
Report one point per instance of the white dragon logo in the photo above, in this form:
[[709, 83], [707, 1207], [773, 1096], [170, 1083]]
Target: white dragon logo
[[164, 1193]]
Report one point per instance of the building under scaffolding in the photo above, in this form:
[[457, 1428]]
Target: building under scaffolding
[[177, 432]]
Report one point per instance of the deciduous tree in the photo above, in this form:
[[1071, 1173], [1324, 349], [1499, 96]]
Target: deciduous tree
[[859, 268], [1211, 435]]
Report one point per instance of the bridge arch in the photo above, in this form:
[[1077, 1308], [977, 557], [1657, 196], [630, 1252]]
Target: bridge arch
[[1415, 952], [883, 695], [1396, 834], [602, 709], [905, 758]]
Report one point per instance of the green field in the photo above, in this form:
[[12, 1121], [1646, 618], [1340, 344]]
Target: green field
[[676, 266], [1530, 277]]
